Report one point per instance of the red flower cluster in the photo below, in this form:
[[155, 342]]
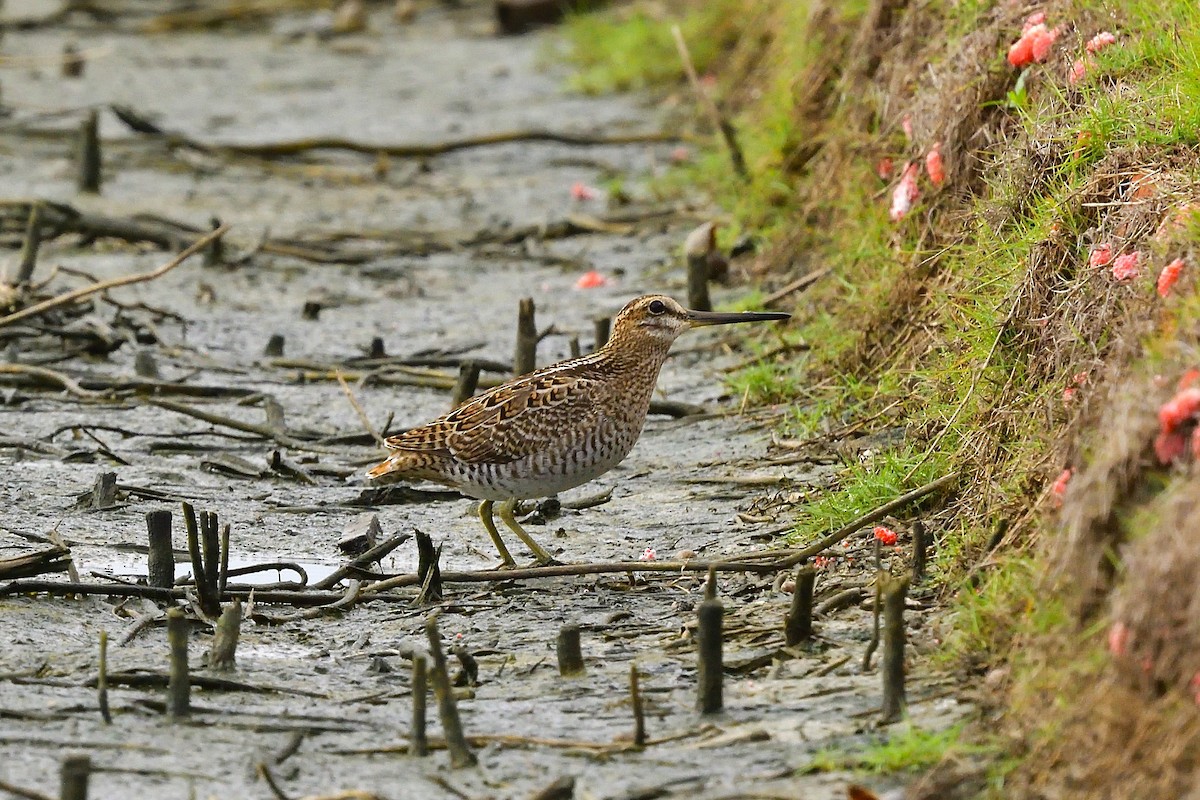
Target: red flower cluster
[[1177, 424], [886, 536], [933, 165], [1058, 489], [1127, 267], [591, 280], [905, 193], [1169, 275], [1101, 255], [1082, 65], [1035, 42]]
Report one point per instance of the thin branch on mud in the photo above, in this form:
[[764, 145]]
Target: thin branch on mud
[[48, 376], [264, 431], [298, 146], [358, 409], [798, 285], [125, 280], [21, 791], [264, 772]]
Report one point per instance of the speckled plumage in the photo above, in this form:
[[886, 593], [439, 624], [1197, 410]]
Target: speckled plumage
[[555, 428]]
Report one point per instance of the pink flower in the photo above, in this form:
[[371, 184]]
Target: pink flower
[[649, 554], [886, 536], [905, 193], [1034, 44], [1169, 275], [680, 155], [933, 165], [581, 192], [1043, 40], [1034, 19], [1127, 267], [1068, 395], [1078, 70], [1101, 255], [1196, 442], [1100, 41], [1169, 445], [1058, 489], [1118, 639], [906, 125], [1179, 409], [820, 562], [1188, 379], [591, 280], [885, 168]]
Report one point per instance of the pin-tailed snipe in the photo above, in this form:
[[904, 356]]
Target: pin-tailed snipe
[[555, 428]]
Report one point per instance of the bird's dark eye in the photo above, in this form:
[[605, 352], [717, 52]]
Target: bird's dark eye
[[657, 307]]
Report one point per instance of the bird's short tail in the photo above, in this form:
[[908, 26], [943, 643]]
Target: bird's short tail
[[384, 471]]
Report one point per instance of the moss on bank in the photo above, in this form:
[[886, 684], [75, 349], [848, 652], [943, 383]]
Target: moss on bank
[[980, 323]]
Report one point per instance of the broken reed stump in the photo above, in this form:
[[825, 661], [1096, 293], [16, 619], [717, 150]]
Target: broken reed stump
[[467, 383], [145, 366], [88, 155], [709, 669], [179, 682], [214, 254], [561, 789], [419, 742], [456, 742], [206, 585], [102, 680], [72, 61], [797, 626], [525, 359], [73, 778], [360, 534], [274, 348], [894, 591], [429, 571], [570, 655], [468, 675], [31, 245], [920, 551], [104, 491], [573, 347], [699, 244], [639, 709], [603, 329], [223, 655], [160, 559], [210, 543], [223, 573]]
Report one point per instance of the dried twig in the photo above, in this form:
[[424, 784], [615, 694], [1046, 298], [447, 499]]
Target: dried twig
[[76, 295], [723, 125], [358, 409]]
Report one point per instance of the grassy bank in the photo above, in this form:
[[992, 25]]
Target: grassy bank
[[986, 325]]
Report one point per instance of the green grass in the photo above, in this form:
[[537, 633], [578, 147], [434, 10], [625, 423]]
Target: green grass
[[622, 50], [906, 749]]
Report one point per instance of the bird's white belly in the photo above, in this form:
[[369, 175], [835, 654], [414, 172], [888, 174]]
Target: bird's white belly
[[545, 473]]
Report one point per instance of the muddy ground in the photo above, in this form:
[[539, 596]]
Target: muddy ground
[[420, 260]]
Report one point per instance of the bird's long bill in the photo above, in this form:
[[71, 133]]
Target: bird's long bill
[[702, 318]]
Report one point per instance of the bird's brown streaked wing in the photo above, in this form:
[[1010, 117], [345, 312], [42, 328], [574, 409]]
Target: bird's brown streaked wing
[[527, 419]]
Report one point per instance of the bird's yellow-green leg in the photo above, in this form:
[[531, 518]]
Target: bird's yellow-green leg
[[485, 516], [506, 513]]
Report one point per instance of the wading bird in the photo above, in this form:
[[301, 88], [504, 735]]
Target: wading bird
[[555, 428]]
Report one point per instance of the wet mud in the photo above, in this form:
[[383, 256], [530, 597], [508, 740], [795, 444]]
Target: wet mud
[[430, 256]]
